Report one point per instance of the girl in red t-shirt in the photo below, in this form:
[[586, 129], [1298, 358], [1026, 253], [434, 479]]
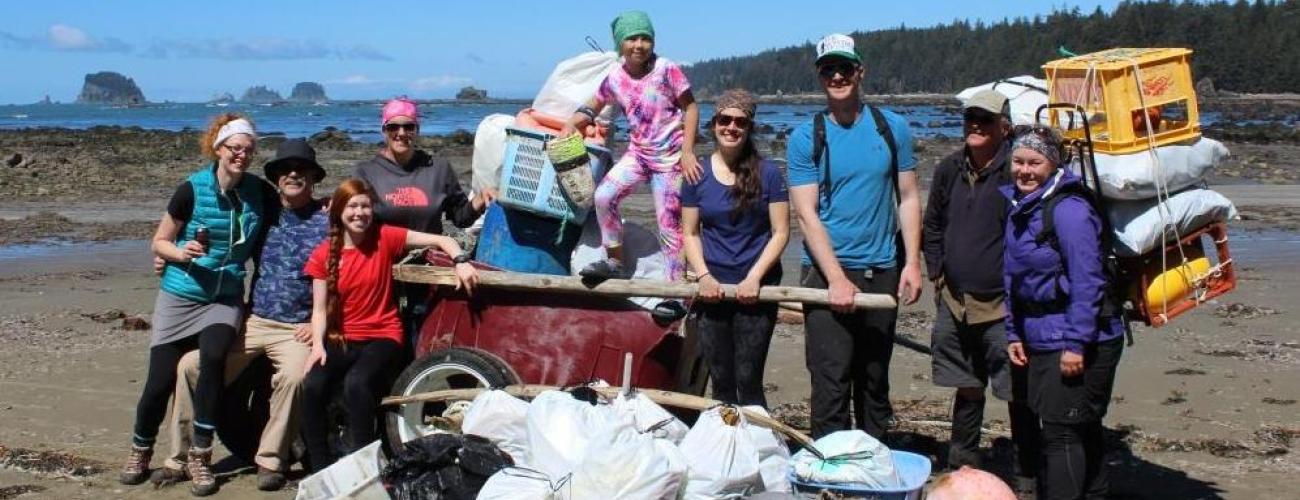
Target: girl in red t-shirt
[[356, 332]]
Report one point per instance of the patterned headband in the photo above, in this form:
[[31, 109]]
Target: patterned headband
[[1044, 142]]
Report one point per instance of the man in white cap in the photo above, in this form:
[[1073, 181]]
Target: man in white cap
[[853, 186], [963, 247]]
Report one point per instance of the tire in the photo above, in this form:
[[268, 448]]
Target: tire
[[451, 368]]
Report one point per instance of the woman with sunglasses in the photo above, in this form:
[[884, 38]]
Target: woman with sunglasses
[[415, 190], [663, 119], [737, 222], [1056, 323], [356, 332], [210, 228]]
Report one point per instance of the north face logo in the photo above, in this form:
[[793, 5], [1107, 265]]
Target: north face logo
[[407, 196]]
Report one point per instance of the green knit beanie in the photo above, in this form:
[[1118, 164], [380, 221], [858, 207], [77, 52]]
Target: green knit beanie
[[630, 24]]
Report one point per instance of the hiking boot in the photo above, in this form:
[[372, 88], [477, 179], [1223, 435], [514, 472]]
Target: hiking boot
[[269, 480], [1026, 486], [602, 270], [199, 468], [167, 476], [136, 469]]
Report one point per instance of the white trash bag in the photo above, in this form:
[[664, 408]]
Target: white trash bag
[[641, 252], [1140, 226], [1024, 95], [773, 455], [723, 458], [621, 463], [489, 151], [560, 429], [573, 82], [852, 457], [517, 483], [1134, 177], [502, 419], [647, 417]]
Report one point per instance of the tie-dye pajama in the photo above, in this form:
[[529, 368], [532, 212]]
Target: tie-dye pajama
[[656, 135]]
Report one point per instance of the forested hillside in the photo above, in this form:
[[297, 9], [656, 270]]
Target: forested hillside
[[1242, 46]]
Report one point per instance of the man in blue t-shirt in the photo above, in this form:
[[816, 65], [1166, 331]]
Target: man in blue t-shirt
[[278, 324], [845, 201]]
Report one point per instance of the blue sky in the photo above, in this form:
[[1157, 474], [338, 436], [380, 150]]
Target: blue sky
[[190, 51]]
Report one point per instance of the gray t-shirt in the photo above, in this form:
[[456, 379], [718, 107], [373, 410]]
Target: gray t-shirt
[[417, 195]]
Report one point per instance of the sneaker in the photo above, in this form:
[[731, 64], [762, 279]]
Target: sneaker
[[269, 480], [136, 469], [669, 311], [602, 270], [167, 476], [199, 468]]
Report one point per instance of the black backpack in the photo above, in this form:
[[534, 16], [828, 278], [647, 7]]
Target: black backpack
[[1117, 280], [820, 149]]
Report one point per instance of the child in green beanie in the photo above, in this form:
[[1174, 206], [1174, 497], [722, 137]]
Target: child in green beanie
[[663, 119]]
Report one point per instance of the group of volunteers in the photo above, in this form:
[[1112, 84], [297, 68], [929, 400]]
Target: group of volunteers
[[1010, 241], [322, 307]]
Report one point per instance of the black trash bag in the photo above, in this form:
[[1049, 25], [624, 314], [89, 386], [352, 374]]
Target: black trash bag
[[443, 467]]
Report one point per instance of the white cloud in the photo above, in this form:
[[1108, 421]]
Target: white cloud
[[438, 82], [67, 37], [260, 49], [61, 37]]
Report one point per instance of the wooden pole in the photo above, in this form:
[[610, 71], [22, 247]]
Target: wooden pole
[[665, 398], [446, 276]]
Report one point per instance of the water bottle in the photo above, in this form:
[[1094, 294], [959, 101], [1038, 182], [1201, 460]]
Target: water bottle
[[201, 236]]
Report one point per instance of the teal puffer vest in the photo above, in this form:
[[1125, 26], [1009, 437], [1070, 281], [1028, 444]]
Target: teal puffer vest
[[219, 275]]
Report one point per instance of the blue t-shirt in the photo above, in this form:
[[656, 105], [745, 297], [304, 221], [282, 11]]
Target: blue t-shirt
[[282, 291], [732, 244], [860, 215]]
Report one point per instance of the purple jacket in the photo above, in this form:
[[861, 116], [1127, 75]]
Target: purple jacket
[[1039, 282]]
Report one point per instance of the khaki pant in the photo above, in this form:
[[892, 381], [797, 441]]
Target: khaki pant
[[261, 336]]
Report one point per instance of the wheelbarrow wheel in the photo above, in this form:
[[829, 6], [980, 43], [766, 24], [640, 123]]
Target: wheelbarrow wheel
[[451, 368]]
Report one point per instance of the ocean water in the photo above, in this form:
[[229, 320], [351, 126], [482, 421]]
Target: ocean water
[[361, 119]]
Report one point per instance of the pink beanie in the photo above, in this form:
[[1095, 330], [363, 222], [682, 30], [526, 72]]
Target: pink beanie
[[400, 106], [969, 484]]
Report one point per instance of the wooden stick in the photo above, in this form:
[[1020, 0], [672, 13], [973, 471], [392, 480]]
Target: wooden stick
[[666, 398], [446, 276]]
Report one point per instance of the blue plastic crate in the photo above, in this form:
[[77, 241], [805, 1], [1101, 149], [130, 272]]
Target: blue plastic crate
[[528, 180], [913, 472]]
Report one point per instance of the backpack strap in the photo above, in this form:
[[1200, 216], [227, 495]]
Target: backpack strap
[[820, 148], [886, 133]]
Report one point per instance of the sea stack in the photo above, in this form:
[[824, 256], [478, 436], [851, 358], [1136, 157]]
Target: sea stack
[[107, 87], [308, 92], [260, 95]]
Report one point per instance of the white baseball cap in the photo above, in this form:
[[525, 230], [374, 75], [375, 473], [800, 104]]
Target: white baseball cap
[[837, 45]]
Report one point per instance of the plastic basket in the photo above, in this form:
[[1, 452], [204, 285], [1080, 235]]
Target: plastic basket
[[913, 472], [528, 182]]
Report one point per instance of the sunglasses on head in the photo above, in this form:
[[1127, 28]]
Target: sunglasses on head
[[394, 127], [843, 68], [727, 120]]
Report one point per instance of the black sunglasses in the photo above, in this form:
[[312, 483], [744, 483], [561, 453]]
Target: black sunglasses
[[393, 127], [830, 70], [727, 120], [979, 117]]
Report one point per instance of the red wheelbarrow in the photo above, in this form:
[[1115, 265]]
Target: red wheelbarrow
[[502, 337]]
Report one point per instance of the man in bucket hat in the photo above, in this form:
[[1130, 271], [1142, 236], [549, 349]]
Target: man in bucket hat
[[278, 324], [963, 245], [853, 184]]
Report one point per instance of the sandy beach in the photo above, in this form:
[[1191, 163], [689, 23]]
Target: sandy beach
[[1203, 408]]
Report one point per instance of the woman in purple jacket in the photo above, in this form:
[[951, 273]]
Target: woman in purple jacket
[[1056, 287]]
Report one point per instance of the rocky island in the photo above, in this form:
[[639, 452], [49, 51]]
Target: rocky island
[[308, 92], [107, 87], [260, 94]]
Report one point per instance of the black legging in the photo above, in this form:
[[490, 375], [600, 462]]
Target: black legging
[[362, 369], [213, 342], [735, 339]]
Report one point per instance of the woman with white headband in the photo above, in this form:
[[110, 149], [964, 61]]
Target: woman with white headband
[[211, 225]]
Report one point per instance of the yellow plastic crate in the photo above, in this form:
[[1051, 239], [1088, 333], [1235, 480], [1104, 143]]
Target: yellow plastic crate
[[1107, 85]]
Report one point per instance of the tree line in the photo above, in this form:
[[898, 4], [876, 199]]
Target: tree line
[[1241, 46]]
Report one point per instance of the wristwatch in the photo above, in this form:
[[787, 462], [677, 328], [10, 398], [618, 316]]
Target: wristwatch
[[463, 258]]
